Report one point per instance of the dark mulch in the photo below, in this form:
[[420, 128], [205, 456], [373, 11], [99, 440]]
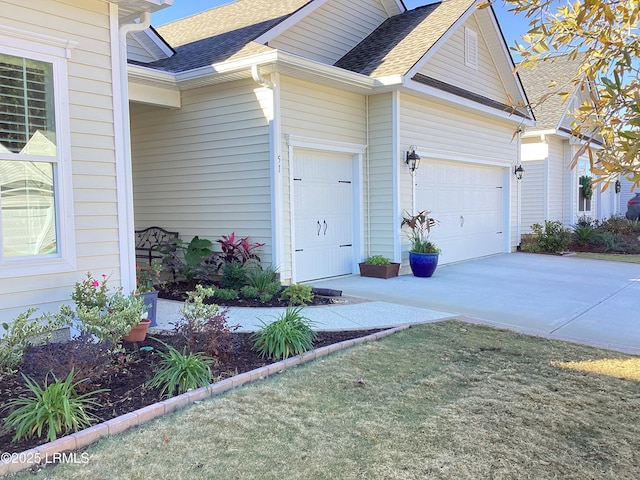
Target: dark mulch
[[178, 291], [629, 244], [125, 374]]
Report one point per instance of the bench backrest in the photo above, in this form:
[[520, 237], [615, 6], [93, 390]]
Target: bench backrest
[[150, 239]]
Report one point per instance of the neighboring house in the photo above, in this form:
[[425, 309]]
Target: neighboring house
[[551, 189], [64, 161], [290, 122]]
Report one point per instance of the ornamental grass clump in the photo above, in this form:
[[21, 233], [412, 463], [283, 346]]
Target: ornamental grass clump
[[290, 334], [55, 408], [181, 371]]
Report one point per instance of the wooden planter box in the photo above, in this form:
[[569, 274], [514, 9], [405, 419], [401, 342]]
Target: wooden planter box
[[379, 271]]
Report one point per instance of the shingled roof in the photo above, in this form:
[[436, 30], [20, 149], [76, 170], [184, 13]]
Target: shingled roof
[[536, 81], [401, 41], [223, 33]]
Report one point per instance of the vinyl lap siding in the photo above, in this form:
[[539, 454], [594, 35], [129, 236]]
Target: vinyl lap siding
[[532, 188], [557, 172], [92, 146], [331, 30], [447, 65], [381, 217], [205, 169], [443, 130]]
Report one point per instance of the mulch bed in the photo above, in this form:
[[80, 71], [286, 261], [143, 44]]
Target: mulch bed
[[125, 374], [178, 291]]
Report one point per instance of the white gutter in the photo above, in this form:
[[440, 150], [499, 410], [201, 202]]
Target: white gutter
[[124, 180]]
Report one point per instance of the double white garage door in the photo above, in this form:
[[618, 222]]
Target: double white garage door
[[467, 199]]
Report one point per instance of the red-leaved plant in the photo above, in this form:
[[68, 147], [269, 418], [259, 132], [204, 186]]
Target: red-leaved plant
[[237, 251]]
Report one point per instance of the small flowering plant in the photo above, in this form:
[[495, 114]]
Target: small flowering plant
[[91, 293], [148, 276], [106, 316]]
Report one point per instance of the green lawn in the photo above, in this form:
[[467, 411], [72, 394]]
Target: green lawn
[[614, 257], [446, 400]]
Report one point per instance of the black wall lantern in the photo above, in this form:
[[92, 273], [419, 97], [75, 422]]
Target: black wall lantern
[[518, 171], [412, 160], [618, 186]]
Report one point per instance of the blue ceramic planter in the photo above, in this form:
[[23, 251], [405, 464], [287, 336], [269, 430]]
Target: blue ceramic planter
[[151, 300], [423, 264]]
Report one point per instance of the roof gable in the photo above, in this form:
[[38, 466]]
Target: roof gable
[[401, 41], [330, 30], [491, 76], [223, 32], [559, 70]]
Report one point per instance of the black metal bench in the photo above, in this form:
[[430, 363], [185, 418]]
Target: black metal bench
[[149, 240]]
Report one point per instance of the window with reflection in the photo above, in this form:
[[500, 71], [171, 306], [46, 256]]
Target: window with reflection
[[28, 159]]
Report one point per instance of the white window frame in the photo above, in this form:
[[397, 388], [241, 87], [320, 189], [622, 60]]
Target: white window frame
[[54, 51], [470, 48]]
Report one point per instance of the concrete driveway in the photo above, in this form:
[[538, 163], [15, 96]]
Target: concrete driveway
[[587, 301]]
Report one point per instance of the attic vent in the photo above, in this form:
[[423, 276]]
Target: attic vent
[[470, 48]]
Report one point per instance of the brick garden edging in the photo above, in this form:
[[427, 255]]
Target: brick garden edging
[[44, 453]]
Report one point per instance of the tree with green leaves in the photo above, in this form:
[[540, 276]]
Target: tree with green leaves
[[604, 36]]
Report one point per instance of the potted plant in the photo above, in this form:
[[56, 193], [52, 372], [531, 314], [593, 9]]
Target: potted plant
[[108, 317], [378, 266], [423, 253], [147, 277]]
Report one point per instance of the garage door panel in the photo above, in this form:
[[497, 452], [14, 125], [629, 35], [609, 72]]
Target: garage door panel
[[468, 201], [323, 215]]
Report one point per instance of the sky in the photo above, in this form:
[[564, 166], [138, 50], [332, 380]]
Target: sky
[[512, 25]]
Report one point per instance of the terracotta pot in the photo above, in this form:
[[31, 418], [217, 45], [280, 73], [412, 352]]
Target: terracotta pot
[[139, 332]]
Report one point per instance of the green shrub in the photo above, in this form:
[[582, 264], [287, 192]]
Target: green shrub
[[56, 408], [583, 233], [266, 297], [553, 237], [25, 331], [260, 277], [297, 294], [195, 309], [181, 371], [226, 294], [378, 260], [610, 242], [290, 334], [249, 292], [618, 224], [204, 326], [111, 323], [234, 276]]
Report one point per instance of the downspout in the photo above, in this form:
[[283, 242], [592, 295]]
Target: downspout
[[275, 171], [124, 176]]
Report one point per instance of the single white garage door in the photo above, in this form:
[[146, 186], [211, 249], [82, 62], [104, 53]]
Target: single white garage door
[[323, 214], [468, 200]]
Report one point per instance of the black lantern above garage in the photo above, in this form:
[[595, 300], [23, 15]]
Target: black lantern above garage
[[412, 160]]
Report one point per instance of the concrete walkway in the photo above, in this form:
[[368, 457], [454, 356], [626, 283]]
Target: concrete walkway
[[586, 301]]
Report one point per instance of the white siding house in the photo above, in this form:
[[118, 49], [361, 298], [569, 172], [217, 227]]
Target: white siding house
[[551, 187], [295, 118], [71, 166]]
